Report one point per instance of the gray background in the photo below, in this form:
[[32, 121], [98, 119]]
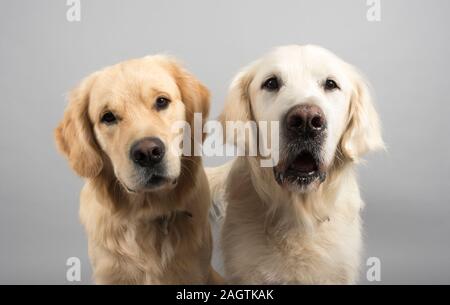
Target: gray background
[[405, 56]]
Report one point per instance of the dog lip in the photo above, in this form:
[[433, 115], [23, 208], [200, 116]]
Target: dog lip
[[303, 169], [302, 180], [153, 183], [300, 173], [130, 190], [156, 180]]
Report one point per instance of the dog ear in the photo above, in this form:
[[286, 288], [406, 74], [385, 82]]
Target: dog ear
[[194, 94], [363, 131], [74, 135], [237, 104], [237, 110]]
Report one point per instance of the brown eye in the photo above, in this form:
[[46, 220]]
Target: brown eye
[[162, 103], [109, 118], [271, 84], [330, 85]]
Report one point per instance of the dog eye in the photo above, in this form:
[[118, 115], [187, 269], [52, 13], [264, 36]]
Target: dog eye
[[330, 85], [162, 103], [109, 118], [271, 84]]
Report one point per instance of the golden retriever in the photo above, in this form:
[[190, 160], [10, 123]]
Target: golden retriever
[[297, 222], [144, 207]]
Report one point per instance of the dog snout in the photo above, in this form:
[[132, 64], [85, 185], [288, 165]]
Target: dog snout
[[147, 152], [304, 119]]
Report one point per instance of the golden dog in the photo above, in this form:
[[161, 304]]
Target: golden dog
[[144, 208]]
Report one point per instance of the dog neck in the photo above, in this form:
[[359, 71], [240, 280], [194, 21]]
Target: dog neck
[[296, 210], [164, 222]]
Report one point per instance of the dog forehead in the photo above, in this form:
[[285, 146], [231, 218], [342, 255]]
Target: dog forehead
[[133, 81], [138, 75], [301, 60]]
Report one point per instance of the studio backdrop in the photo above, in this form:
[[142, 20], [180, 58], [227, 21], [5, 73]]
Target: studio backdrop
[[401, 46]]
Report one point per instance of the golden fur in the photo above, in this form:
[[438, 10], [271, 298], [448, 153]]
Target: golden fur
[[139, 237]]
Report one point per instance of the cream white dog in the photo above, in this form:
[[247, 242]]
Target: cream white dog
[[298, 222]]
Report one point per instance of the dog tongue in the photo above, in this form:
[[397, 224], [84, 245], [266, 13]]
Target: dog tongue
[[305, 163]]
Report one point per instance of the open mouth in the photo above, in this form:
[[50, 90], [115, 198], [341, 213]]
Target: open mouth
[[302, 170], [304, 164]]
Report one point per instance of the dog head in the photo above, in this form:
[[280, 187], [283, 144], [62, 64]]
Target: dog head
[[323, 106], [121, 119]]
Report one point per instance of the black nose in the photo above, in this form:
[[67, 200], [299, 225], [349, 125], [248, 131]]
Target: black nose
[[147, 152], [305, 118]]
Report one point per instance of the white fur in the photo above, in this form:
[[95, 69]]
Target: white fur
[[275, 235]]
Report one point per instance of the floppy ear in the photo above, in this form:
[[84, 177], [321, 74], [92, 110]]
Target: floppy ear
[[238, 107], [363, 131], [194, 94], [74, 135], [237, 104]]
